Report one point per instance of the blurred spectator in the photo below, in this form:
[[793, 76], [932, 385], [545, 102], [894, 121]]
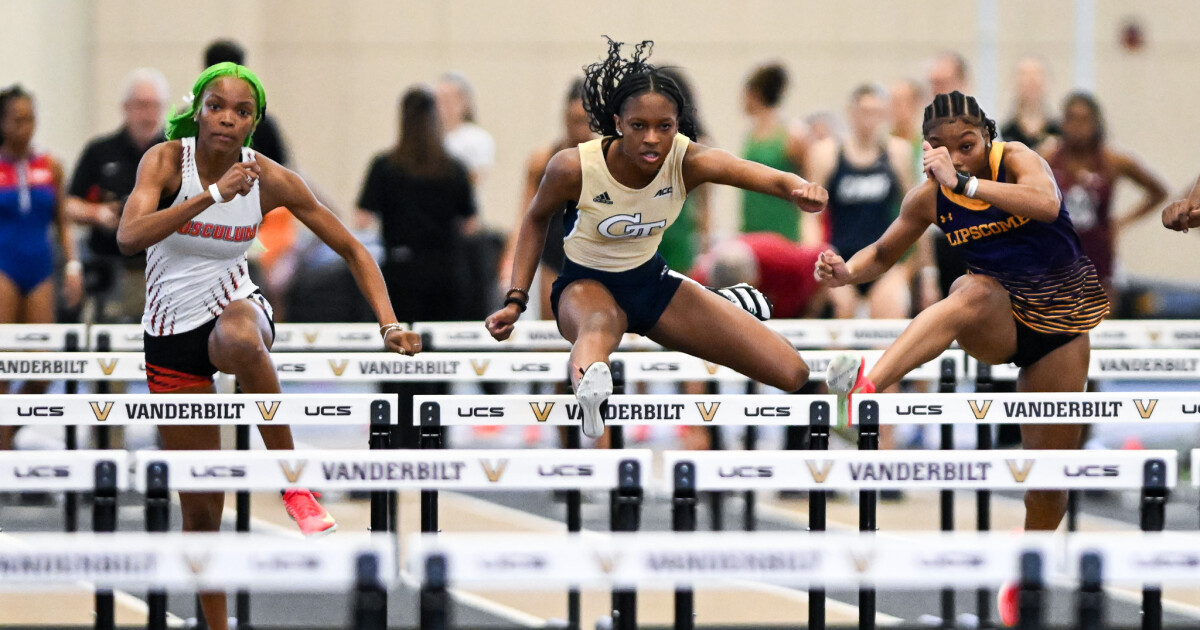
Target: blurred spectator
[[781, 269], [575, 132], [103, 178], [906, 100], [31, 201], [1087, 169], [866, 176], [424, 200], [465, 139], [948, 71], [1031, 123], [475, 148], [688, 235], [772, 142]]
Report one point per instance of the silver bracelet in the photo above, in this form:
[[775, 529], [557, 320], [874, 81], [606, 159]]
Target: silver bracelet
[[972, 186], [387, 328], [215, 193]]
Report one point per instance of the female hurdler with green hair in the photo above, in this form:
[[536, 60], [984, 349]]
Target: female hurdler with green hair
[[195, 208]]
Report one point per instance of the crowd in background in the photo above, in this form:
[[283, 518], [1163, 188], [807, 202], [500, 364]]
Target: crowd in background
[[417, 202]]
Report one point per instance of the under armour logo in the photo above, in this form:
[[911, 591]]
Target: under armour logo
[[603, 198], [663, 192]]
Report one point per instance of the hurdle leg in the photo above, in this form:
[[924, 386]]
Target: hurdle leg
[[625, 516], [1153, 519], [574, 525], [683, 519], [947, 384], [104, 519], [983, 498], [157, 520], [370, 597], [818, 440], [868, 440], [242, 597]]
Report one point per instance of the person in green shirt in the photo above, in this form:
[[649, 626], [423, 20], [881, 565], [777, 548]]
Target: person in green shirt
[[688, 235], [772, 142]]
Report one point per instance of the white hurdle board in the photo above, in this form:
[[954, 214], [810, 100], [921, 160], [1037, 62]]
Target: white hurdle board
[[357, 367], [625, 410], [665, 560], [918, 560], [392, 469], [362, 337], [55, 471], [1037, 408], [919, 470], [40, 337], [1112, 365], [191, 409], [192, 561]]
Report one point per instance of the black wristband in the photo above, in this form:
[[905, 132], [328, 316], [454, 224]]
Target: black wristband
[[961, 187], [521, 303]]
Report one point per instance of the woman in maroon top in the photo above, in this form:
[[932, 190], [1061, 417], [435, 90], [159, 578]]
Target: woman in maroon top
[[1087, 170]]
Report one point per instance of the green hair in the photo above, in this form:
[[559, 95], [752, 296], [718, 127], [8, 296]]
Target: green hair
[[183, 124]]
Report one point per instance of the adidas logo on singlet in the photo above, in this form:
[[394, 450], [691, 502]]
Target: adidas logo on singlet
[[603, 198], [662, 193]]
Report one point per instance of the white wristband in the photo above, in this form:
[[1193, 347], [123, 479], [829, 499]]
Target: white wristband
[[73, 266], [215, 193], [972, 186]]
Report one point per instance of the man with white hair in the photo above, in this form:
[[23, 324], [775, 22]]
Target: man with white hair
[[103, 178]]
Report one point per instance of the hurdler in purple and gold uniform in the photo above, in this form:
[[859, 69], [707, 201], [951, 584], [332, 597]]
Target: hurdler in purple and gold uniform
[[1055, 291], [1030, 296]]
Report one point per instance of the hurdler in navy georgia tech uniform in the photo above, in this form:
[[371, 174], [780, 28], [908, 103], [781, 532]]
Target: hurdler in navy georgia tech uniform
[[622, 191]]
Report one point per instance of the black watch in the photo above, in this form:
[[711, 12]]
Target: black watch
[[961, 186]]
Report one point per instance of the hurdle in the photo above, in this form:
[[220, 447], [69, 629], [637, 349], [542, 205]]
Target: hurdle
[[199, 562], [240, 410], [100, 472], [355, 337], [620, 472], [986, 408], [843, 560], [1152, 472]]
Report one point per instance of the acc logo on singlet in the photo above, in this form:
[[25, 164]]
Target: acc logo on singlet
[[628, 226]]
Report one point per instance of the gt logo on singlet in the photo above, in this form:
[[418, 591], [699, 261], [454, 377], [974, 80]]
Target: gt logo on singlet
[[628, 226]]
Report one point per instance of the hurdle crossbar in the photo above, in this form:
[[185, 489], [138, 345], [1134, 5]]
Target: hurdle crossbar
[[191, 561], [623, 410], [924, 470], [356, 337], [41, 337], [1156, 364], [59, 471], [390, 470], [1033, 408], [657, 560], [529, 367], [183, 409]]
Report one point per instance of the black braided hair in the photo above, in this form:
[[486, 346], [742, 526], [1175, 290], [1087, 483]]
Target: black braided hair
[[608, 84], [953, 107], [7, 96]]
